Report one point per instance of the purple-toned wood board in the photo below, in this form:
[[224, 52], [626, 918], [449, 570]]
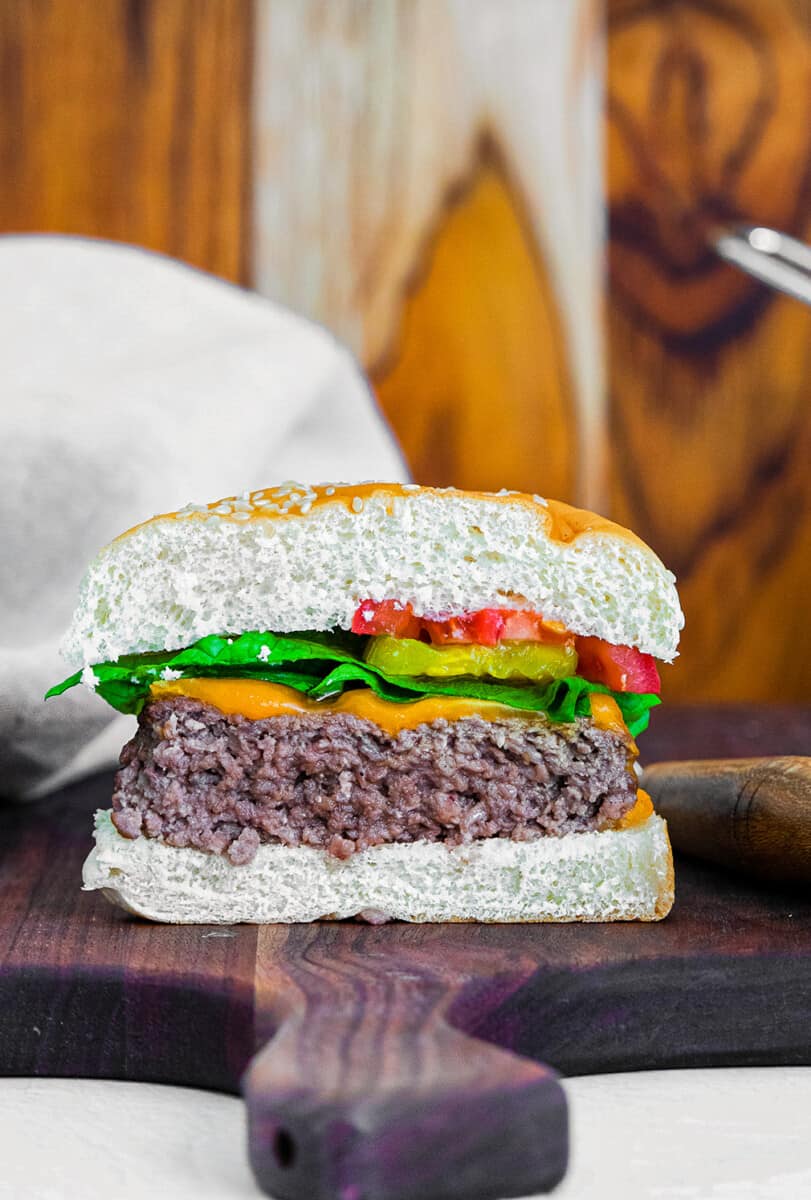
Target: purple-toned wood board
[[401, 1061]]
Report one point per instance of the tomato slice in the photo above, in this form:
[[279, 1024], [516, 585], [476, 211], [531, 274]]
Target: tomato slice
[[487, 627], [377, 617], [620, 668], [525, 626]]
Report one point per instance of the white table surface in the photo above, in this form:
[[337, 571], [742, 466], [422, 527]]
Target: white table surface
[[741, 1134]]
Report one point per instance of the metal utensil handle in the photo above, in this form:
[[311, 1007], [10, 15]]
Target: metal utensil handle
[[775, 258]]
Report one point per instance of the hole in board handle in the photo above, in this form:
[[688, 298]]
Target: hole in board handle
[[284, 1148]]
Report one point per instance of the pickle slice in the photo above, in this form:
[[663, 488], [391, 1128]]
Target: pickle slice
[[536, 661]]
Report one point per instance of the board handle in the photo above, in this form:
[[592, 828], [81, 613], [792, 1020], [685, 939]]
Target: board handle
[[753, 814], [385, 1103]]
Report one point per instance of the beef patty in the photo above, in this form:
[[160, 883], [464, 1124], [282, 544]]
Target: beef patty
[[193, 776]]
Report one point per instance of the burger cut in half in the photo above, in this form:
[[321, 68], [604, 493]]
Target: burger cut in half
[[379, 700]]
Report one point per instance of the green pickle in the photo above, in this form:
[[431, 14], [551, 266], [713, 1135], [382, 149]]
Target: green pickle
[[535, 661]]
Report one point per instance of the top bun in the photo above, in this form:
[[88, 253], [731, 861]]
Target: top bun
[[300, 557]]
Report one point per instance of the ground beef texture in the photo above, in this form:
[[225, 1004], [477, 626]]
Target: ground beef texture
[[193, 776]]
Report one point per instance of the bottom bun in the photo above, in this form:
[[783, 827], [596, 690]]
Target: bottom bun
[[616, 875]]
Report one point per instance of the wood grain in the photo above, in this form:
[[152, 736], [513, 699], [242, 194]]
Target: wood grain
[[709, 120], [387, 1055], [750, 814], [480, 357], [130, 120], [427, 185], [367, 1090]]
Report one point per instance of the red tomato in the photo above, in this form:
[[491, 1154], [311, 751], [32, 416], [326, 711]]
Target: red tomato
[[487, 627], [375, 617], [526, 626], [621, 668]]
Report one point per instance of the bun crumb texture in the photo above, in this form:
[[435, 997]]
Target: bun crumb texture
[[300, 557], [617, 875]]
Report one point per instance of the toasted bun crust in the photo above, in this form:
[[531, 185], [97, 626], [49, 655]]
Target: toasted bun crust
[[298, 557], [618, 875]]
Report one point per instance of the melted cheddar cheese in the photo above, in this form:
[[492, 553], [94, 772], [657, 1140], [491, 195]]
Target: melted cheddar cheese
[[639, 813], [258, 699], [605, 713]]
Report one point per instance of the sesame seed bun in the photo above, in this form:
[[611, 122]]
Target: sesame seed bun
[[298, 557]]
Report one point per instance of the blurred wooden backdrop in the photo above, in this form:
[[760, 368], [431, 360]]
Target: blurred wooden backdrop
[[172, 124]]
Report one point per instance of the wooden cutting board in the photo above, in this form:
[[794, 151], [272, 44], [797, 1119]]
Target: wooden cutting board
[[400, 1061]]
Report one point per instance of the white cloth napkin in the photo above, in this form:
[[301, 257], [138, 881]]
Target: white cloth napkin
[[131, 385]]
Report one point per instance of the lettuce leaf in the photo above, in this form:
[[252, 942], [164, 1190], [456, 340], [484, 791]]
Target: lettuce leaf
[[325, 664]]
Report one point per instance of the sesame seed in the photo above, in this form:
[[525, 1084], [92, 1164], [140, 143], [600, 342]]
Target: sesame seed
[[330, 491], [240, 516], [89, 678], [357, 504]]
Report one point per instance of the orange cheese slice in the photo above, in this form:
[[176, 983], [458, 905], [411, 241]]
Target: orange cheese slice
[[258, 699], [639, 814], [605, 713]]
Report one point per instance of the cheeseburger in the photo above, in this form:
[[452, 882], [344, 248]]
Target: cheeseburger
[[379, 700]]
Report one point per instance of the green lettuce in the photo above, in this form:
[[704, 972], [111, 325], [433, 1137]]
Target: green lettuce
[[322, 665]]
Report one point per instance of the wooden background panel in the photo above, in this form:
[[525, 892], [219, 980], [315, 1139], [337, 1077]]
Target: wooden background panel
[[428, 184], [477, 383], [129, 119], [709, 119]]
